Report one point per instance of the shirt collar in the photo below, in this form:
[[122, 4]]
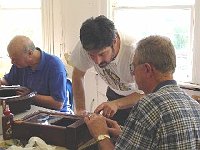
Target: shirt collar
[[42, 60], [167, 82]]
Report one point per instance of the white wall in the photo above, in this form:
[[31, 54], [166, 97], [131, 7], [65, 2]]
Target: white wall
[[75, 12]]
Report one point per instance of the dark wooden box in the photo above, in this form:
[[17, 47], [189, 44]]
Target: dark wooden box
[[58, 129], [17, 103]]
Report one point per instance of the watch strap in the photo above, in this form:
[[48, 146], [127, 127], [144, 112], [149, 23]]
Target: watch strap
[[102, 137]]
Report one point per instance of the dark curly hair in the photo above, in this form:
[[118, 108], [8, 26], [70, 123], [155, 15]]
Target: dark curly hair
[[97, 33]]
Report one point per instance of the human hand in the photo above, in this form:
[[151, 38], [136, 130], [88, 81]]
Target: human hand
[[22, 91], [108, 109], [113, 128], [96, 124]]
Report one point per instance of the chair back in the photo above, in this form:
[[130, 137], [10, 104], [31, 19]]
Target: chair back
[[70, 94]]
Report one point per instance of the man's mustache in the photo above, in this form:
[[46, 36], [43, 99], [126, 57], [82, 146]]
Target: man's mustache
[[103, 64]]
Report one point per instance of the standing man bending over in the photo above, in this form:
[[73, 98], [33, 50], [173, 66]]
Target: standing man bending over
[[38, 71], [111, 53]]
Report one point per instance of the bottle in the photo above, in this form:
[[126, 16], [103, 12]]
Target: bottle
[[7, 120], [1, 114]]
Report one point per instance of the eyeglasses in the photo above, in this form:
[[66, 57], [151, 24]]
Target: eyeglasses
[[133, 68]]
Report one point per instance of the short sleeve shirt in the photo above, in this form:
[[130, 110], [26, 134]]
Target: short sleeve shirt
[[116, 74], [49, 78]]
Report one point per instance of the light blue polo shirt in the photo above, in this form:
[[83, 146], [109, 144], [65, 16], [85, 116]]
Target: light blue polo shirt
[[49, 78]]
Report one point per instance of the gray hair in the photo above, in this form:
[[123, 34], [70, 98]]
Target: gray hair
[[158, 51], [22, 41]]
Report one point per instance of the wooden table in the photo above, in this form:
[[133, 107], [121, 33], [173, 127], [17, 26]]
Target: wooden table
[[36, 108]]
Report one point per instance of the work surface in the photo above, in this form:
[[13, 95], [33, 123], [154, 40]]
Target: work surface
[[29, 112]]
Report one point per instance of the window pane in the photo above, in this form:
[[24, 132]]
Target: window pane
[[23, 22], [173, 23], [20, 3]]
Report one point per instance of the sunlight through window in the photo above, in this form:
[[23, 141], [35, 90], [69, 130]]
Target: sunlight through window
[[140, 18]]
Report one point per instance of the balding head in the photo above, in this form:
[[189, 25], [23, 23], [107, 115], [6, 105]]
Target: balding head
[[21, 51], [20, 43]]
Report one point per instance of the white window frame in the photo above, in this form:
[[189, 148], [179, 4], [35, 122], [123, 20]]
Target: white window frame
[[194, 31], [16, 8]]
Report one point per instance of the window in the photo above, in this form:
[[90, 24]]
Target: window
[[172, 18], [19, 17]]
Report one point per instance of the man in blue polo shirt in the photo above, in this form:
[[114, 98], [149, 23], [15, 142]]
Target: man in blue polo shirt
[[38, 71]]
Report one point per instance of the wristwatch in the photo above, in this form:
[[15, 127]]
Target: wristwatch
[[102, 137]]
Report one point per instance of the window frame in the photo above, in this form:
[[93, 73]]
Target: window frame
[[114, 7], [6, 8]]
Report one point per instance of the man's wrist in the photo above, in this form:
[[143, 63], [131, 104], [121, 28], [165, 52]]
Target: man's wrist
[[81, 112]]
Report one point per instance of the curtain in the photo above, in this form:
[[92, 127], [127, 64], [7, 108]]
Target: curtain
[[52, 24], [48, 25], [196, 44]]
